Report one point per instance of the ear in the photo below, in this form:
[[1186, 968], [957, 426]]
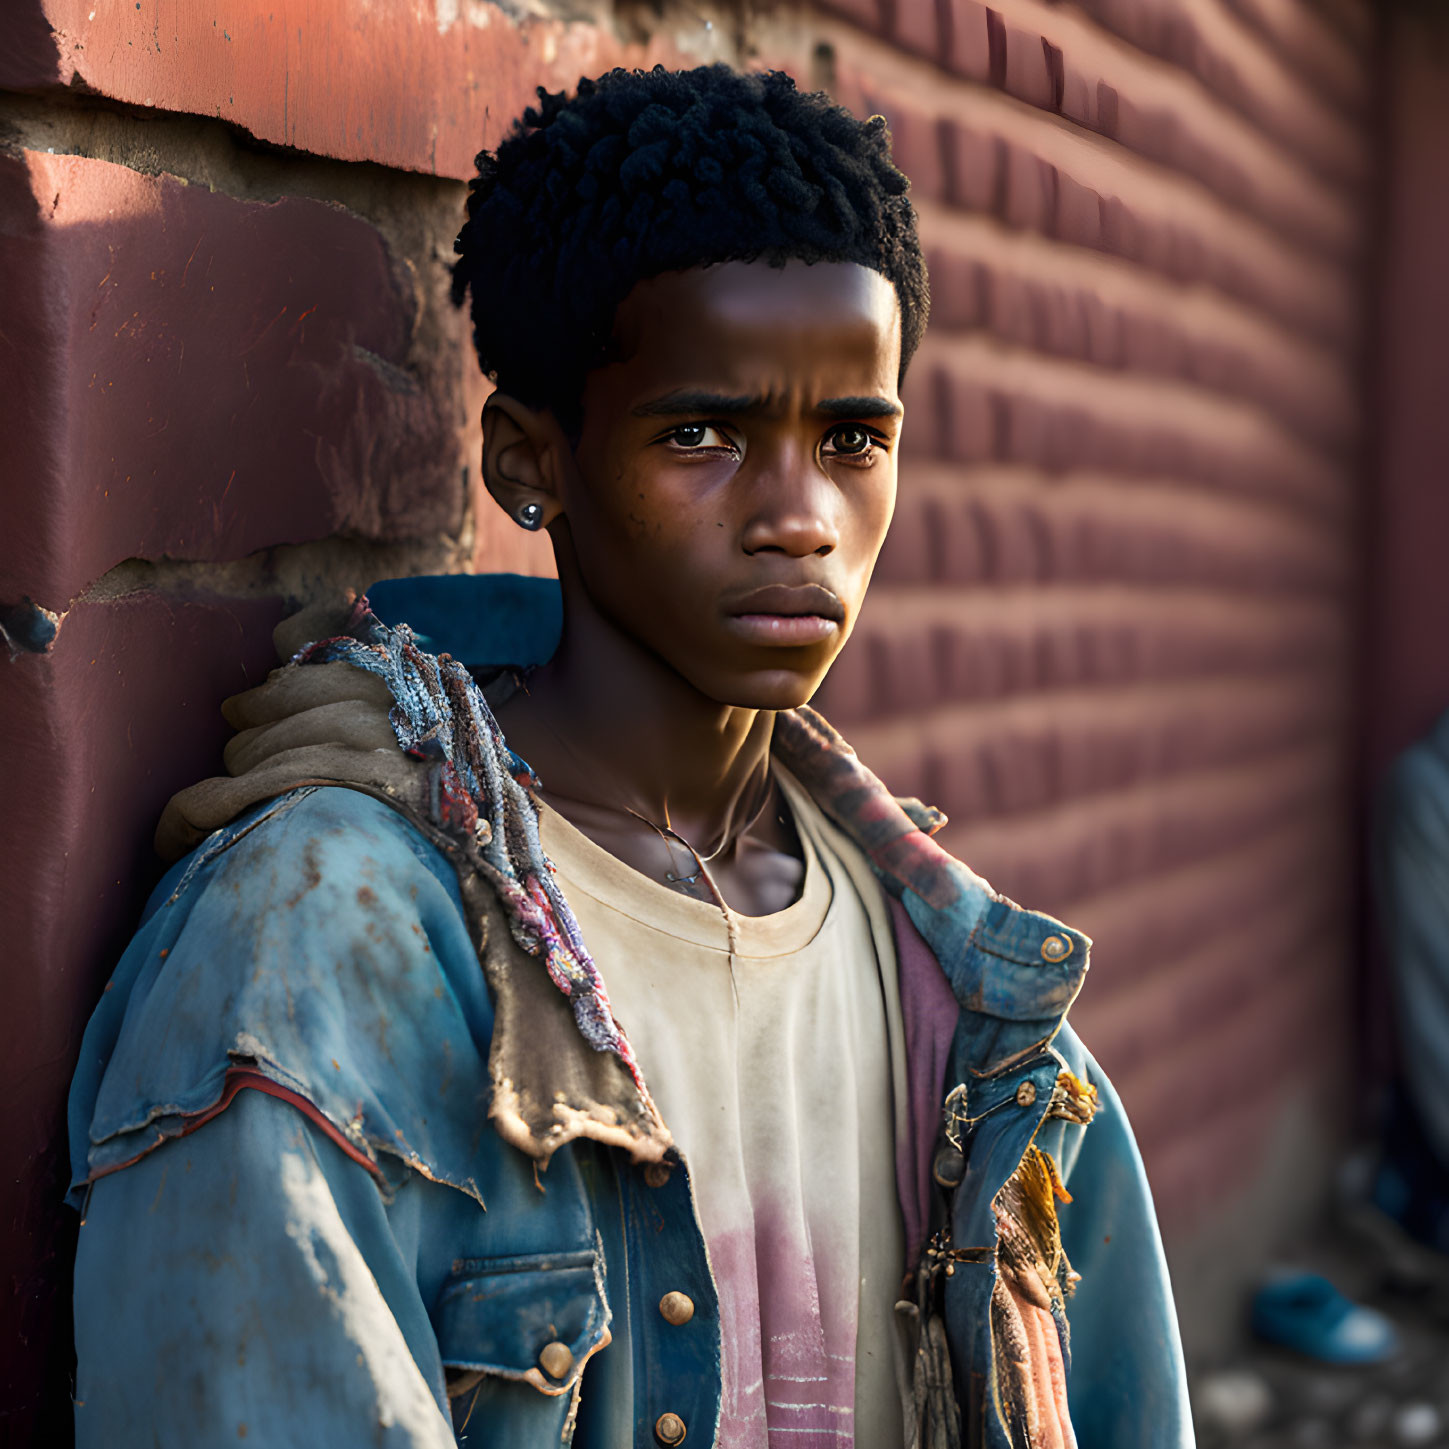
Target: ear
[[525, 453]]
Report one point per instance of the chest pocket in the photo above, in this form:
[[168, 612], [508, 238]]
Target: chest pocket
[[535, 1319]]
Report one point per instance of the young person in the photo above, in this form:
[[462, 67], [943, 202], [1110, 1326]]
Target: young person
[[369, 1151]]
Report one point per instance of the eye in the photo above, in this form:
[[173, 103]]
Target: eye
[[850, 440], [699, 438]]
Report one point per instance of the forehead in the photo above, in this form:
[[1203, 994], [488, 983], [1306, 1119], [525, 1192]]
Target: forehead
[[753, 326]]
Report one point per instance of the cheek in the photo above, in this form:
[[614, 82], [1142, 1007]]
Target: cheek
[[611, 508], [874, 510], [664, 506], [642, 535]]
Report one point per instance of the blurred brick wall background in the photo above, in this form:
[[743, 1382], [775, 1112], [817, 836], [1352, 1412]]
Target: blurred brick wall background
[[1115, 629], [1114, 634]]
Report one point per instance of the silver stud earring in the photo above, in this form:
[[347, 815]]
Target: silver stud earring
[[530, 515]]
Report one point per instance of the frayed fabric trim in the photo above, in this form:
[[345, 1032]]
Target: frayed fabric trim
[[481, 800]]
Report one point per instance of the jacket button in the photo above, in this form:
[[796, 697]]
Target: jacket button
[[1026, 1094], [1055, 948], [656, 1174], [677, 1308], [669, 1429], [556, 1360], [949, 1167]]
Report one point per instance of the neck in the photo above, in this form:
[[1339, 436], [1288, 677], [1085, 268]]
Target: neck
[[606, 723]]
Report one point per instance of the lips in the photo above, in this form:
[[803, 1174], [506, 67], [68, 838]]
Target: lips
[[789, 601], [786, 615]]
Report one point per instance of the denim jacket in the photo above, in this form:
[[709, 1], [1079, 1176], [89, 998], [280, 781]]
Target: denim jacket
[[353, 1252]]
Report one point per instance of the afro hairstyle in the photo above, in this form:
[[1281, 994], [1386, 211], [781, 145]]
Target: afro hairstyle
[[646, 172]]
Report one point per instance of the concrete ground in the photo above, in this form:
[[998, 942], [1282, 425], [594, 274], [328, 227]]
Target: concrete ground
[[1261, 1397]]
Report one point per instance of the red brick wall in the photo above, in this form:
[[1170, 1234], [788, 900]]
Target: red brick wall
[[1112, 633], [1114, 628]]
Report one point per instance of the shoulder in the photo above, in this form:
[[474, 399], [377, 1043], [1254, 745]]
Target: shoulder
[[320, 942], [292, 890], [317, 828]]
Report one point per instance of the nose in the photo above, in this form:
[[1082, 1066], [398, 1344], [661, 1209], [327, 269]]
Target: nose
[[794, 510]]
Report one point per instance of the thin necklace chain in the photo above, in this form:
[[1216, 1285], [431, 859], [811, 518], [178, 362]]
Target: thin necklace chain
[[667, 832]]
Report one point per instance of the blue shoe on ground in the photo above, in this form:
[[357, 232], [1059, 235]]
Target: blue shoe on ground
[[1306, 1313]]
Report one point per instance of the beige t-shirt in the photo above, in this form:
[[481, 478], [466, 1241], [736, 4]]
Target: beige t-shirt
[[779, 1067]]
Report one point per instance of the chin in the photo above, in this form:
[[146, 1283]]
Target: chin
[[773, 689]]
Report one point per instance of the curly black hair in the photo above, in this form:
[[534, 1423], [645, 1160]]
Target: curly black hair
[[646, 172]]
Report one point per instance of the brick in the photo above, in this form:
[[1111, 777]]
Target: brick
[[1245, 75], [1061, 655], [99, 732], [1092, 844], [1062, 321], [1030, 73], [1173, 127], [1078, 218], [1012, 543], [1073, 421], [1079, 96], [1031, 191], [1150, 344], [844, 695], [902, 669], [1027, 436], [974, 164], [960, 784], [401, 85], [1067, 551], [917, 27], [924, 400], [959, 542], [1109, 200], [968, 42], [981, 663], [868, 13], [202, 377], [1309, 43], [909, 553], [1011, 311], [958, 288], [1104, 332], [972, 423], [1121, 230], [1171, 916], [1020, 773]]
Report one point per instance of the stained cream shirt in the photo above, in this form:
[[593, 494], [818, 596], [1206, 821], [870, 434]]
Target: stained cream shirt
[[779, 1067]]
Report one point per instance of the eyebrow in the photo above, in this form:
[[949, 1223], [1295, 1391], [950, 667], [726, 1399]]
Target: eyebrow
[[859, 407], [686, 402]]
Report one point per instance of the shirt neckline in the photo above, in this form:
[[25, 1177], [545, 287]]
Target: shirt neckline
[[584, 865]]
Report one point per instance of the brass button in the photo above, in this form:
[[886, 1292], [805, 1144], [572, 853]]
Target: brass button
[[669, 1429], [1026, 1094], [556, 1360], [1055, 948], [677, 1308], [949, 1167], [656, 1174]]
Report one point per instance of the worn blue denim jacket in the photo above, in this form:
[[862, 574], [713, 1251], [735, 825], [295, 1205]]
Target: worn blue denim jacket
[[350, 1236]]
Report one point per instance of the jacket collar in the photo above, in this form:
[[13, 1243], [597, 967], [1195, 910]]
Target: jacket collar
[[1012, 972], [1002, 962]]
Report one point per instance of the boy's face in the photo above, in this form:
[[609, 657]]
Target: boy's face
[[737, 471]]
